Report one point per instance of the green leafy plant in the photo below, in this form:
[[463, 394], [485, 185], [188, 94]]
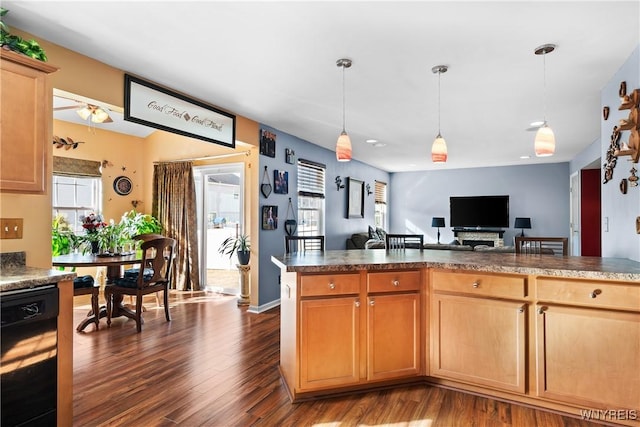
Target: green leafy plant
[[231, 245], [31, 48], [134, 223]]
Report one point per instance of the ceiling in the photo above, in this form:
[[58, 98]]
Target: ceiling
[[275, 63]]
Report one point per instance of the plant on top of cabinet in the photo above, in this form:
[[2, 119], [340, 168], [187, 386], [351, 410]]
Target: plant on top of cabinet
[[9, 41]]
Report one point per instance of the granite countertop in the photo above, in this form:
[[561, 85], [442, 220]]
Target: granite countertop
[[571, 266], [14, 275]]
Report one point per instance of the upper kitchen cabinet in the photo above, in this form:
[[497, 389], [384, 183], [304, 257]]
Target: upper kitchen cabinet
[[25, 122]]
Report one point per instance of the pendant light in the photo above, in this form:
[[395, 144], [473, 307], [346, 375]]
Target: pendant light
[[439, 147], [343, 146], [545, 142]]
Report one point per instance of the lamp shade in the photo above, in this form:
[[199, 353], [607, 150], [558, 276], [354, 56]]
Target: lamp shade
[[439, 150], [437, 221], [343, 148], [522, 223], [545, 142]]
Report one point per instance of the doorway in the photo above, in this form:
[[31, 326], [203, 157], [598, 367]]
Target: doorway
[[220, 205]]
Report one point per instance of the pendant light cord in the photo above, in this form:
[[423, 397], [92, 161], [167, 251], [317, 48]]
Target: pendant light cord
[[544, 85], [343, 102], [439, 74]]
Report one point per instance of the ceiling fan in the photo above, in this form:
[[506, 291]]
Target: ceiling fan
[[91, 112]]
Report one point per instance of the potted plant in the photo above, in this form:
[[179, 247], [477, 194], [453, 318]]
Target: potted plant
[[240, 245], [9, 41]]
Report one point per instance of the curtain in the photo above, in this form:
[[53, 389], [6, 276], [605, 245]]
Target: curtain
[[174, 204]]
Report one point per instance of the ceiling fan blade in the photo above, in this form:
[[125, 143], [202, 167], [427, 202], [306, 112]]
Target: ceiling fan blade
[[108, 120], [68, 107]]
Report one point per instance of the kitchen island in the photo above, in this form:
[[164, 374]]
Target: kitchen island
[[16, 279], [561, 333]]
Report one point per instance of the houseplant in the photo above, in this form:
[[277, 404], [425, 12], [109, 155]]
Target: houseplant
[[240, 245], [9, 41]]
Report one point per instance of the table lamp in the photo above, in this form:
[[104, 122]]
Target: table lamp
[[437, 221], [522, 223]]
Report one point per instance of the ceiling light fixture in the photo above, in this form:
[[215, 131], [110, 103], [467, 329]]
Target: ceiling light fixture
[[97, 114], [343, 146], [439, 147], [545, 142]]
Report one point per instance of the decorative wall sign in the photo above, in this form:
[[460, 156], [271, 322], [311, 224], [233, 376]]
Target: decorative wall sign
[[122, 185], [151, 105], [355, 199], [269, 217], [267, 143], [280, 182]]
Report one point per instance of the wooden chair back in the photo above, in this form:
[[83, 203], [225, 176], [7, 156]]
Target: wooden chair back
[[404, 241], [157, 255], [542, 245], [300, 244]]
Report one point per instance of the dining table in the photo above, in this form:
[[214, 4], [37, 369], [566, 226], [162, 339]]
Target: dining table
[[115, 270]]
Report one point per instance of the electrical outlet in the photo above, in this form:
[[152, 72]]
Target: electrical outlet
[[10, 228]]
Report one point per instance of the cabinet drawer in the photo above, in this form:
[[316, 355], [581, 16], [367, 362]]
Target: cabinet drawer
[[592, 293], [480, 284], [329, 284], [393, 281]]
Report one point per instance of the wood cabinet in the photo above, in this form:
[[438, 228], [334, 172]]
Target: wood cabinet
[[476, 337], [329, 342], [588, 343], [25, 127]]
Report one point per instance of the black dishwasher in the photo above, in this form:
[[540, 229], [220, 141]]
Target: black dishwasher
[[28, 368]]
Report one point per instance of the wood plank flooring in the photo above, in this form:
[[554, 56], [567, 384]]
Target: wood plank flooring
[[215, 365]]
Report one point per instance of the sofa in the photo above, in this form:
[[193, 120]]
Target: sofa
[[368, 240]]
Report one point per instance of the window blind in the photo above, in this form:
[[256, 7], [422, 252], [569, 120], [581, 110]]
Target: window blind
[[311, 178], [381, 192], [67, 166]]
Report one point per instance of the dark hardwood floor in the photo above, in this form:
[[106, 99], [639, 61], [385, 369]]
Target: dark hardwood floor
[[215, 364]]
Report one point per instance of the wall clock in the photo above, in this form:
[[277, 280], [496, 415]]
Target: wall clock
[[122, 185]]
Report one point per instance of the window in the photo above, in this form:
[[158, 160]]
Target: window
[[76, 190], [380, 215], [311, 180]]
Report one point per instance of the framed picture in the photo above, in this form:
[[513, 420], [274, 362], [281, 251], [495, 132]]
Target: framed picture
[[148, 104], [267, 143], [355, 198], [280, 182], [269, 217]]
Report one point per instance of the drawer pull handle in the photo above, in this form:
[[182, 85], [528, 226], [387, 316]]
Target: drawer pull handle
[[541, 310], [476, 285], [595, 293], [357, 303], [396, 283], [332, 285], [372, 303], [521, 309]]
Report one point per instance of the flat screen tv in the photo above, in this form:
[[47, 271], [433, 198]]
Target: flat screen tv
[[479, 211]]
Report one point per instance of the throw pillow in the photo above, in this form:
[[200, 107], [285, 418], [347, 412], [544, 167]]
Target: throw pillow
[[381, 233], [373, 234]]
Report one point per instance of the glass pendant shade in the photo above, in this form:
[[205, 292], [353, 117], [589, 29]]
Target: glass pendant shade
[[84, 113], [343, 148], [99, 116], [439, 150], [545, 142]]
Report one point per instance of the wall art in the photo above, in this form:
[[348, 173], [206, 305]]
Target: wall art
[[280, 182], [267, 143], [355, 199], [269, 217]]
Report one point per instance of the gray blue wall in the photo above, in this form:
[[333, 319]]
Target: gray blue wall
[[620, 210], [540, 192], [337, 227]]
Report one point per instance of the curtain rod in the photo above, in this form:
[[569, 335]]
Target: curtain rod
[[219, 156]]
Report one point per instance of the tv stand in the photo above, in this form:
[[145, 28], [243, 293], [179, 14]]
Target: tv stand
[[479, 235]]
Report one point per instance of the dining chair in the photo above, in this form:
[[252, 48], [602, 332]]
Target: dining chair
[[153, 276], [404, 241], [86, 285], [542, 245], [133, 271], [300, 244]]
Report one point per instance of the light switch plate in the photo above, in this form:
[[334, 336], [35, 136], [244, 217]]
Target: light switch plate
[[11, 228]]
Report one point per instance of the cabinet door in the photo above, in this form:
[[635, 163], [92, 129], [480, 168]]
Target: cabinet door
[[393, 336], [25, 129], [329, 342], [589, 357], [479, 341]]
